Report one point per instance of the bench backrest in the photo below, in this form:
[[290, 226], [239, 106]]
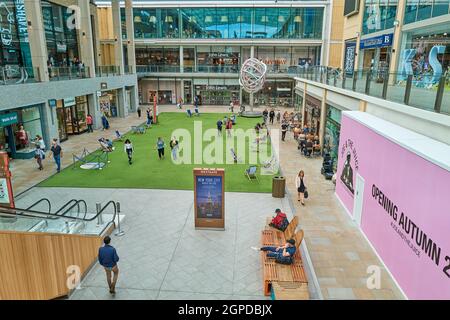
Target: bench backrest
[[290, 230], [299, 238]]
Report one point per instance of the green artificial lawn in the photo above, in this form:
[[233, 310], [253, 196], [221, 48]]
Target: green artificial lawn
[[148, 172]]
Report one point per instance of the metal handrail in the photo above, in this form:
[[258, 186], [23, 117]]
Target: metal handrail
[[39, 201]]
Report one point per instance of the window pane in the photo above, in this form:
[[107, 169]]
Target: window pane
[[440, 7]]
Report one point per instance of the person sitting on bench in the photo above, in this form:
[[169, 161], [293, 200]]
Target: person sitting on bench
[[282, 254], [106, 144], [280, 221], [308, 149]]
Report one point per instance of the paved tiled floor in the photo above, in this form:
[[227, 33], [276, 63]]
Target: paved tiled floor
[[162, 256], [339, 252]]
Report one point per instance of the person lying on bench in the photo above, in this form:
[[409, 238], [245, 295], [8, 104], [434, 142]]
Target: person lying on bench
[[283, 254], [280, 221]]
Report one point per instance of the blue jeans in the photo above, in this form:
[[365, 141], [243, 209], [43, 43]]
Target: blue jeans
[[58, 162], [273, 253]]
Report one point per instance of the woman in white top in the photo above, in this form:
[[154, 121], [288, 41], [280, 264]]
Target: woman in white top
[[301, 187], [128, 147]]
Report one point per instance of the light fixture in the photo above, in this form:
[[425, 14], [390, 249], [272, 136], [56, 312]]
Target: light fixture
[[223, 19], [169, 19], [298, 19], [240, 19], [152, 19], [137, 19], [358, 34], [264, 19], [208, 19], [281, 19], [193, 19], [396, 23]]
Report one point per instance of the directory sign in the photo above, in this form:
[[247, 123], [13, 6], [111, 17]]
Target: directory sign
[[209, 192]]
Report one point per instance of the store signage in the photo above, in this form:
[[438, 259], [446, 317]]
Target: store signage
[[52, 103], [407, 225], [8, 119], [61, 47], [6, 23], [276, 61], [216, 88], [209, 200], [222, 55], [377, 42], [349, 64], [69, 102], [21, 17]]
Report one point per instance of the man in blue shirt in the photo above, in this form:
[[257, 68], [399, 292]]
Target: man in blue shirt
[[108, 258], [283, 254]]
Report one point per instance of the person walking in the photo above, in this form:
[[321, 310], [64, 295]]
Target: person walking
[[219, 127], [89, 122], [149, 118], [108, 258], [265, 115], [278, 116], [229, 127], [139, 112], [57, 153], [231, 106], [301, 187], [271, 116], [39, 155], [160, 146], [174, 147], [128, 147], [284, 128], [105, 122], [41, 143]]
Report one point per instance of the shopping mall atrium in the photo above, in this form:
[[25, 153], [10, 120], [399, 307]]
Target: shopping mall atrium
[[224, 150]]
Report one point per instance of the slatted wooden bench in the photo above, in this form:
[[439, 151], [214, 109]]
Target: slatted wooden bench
[[274, 237], [276, 272], [284, 290]]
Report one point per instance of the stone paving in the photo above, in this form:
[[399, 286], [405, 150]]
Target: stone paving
[[339, 252], [162, 256]]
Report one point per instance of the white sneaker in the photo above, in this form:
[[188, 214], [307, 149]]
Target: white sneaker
[[256, 248]]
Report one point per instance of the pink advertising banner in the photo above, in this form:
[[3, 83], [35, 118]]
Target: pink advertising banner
[[405, 208]]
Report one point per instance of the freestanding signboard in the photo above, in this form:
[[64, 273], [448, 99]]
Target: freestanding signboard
[[209, 198], [6, 192]]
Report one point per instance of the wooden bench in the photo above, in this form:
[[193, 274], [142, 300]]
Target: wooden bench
[[276, 272], [275, 237], [284, 290]]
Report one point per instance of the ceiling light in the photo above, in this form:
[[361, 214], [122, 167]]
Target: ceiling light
[[298, 19], [281, 19], [208, 19], [224, 19]]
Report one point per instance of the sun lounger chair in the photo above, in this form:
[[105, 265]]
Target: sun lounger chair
[[251, 173]]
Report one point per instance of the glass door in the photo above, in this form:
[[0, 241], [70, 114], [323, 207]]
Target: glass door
[[61, 124]]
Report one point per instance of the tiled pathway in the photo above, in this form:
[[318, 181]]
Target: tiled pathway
[[339, 252]]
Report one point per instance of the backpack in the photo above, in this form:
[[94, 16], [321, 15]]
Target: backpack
[[280, 222]]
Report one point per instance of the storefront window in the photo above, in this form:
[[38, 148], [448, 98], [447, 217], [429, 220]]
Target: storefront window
[[332, 132], [14, 44], [417, 10], [61, 38], [379, 15], [275, 93]]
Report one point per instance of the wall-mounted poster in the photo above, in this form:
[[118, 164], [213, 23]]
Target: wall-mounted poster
[[349, 62], [6, 192], [209, 205]]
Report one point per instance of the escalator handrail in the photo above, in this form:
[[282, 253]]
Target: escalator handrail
[[77, 203], [52, 216], [39, 201]]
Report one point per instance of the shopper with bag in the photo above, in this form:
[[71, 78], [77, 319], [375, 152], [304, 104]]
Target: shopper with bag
[[301, 187]]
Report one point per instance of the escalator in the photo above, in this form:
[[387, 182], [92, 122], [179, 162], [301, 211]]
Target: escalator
[[71, 218], [45, 252]]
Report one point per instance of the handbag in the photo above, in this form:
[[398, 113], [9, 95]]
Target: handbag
[[306, 194]]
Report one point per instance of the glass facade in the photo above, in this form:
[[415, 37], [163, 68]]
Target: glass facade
[[14, 43], [228, 23], [224, 59], [417, 10], [62, 41], [379, 15]]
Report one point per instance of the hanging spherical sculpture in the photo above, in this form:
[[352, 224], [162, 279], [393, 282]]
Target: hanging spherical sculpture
[[253, 75]]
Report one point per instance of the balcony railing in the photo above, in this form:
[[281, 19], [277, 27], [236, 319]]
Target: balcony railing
[[272, 69], [428, 92], [18, 75], [107, 71], [68, 73]]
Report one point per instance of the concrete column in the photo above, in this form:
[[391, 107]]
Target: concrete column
[[181, 59], [98, 51], [49, 124], [129, 18], [305, 86], [117, 30], [397, 42], [181, 89], [323, 119], [122, 109], [134, 98], [86, 38], [94, 110], [36, 34]]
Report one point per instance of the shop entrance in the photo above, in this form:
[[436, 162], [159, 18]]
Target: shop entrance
[[165, 97]]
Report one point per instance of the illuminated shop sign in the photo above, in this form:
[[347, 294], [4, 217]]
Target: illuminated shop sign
[[377, 42]]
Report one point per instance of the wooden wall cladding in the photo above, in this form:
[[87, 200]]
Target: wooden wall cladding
[[33, 266]]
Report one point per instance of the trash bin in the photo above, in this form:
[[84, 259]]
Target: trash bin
[[278, 186]]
